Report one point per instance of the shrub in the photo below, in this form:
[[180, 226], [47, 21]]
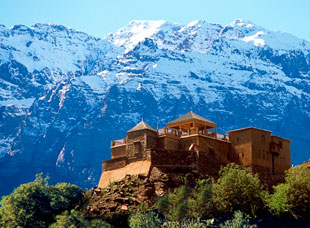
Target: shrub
[[36, 204], [294, 195], [238, 221], [186, 202], [64, 196], [200, 203], [174, 205], [189, 223], [298, 193], [144, 220], [277, 203], [74, 219], [28, 206], [238, 189]]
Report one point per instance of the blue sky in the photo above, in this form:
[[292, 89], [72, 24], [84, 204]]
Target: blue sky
[[99, 17]]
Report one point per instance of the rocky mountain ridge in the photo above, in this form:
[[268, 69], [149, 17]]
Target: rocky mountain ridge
[[64, 94]]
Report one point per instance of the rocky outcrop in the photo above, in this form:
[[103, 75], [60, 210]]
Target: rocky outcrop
[[136, 193]]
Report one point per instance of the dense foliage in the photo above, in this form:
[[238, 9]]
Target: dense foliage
[[238, 189], [37, 204], [75, 219], [236, 199], [293, 196], [188, 202]]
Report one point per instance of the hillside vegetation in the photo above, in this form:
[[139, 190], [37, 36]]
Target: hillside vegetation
[[236, 199]]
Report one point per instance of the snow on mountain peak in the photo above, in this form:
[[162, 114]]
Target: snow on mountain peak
[[135, 32], [49, 46], [242, 23]]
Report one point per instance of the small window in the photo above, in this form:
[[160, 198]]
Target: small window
[[192, 124], [280, 144], [243, 155], [237, 139], [228, 156], [263, 138], [136, 147]]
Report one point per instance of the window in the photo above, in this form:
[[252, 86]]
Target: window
[[263, 138], [237, 139], [136, 147], [192, 124], [280, 144], [263, 155], [228, 156]]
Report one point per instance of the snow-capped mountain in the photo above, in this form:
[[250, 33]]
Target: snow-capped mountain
[[64, 94]]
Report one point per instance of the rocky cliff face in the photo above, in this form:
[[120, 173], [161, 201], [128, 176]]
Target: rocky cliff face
[[64, 94]]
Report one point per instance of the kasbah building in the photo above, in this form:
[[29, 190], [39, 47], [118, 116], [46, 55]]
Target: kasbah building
[[191, 142]]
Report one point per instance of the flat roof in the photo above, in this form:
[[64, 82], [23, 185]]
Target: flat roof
[[248, 128], [280, 137]]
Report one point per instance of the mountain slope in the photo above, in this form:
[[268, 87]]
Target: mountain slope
[[64, 95]]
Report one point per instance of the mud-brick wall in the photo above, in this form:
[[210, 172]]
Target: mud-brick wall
[[152, 140], [241, 146], [222, 149], [266, 176], [172, 158], [118, 151], [209, 165], [172, 142], [283, 160], [112, 164], [187, 141]]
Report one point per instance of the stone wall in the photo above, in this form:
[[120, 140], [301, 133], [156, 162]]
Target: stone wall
[[136, 143], [209, 165], [172, 158], [266, 176]]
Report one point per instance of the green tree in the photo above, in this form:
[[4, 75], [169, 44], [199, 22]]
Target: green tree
[[64, 196], [277, 203], [200, 202], [36, 204], [238, 221], [298, 193], [144, 220], [294, 195], [28, 206], [74, 219], [187, 202], [238, 189], [174, 205]]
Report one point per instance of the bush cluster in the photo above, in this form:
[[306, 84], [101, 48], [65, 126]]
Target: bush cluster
[[38, 204], [234, 200]]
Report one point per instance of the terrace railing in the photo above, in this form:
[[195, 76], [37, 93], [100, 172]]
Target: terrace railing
[[172, 131], [118, 142]]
